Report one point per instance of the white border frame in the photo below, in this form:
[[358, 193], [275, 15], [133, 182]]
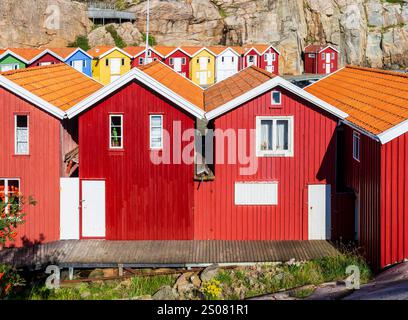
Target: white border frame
[[150, 131], [15, 134], [357, 135], [110, 131], [273, 103], [274, 153]]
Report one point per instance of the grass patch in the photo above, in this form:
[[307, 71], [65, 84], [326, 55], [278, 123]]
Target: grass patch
[[152, 39], [119, 42], [80, 42], [106, 290]]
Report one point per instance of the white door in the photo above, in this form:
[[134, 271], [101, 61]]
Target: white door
[[203, 77], [177, 64], [69, 208], [115, 65], [93, 209], [328, 62], [319, 207], [203, 63], [77, 65]]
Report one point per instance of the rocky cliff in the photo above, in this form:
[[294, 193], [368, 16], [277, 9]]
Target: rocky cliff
[[367, 32]]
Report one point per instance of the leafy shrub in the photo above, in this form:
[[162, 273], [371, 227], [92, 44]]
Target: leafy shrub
[[80, 42], [9, 279]]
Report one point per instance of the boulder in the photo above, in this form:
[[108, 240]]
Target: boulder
[[209, 273], [165, 293]]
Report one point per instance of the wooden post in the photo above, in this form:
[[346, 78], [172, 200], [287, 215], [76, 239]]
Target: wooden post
[[120, 266], [71, 273]]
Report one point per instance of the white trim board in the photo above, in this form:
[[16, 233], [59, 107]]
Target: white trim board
[[135, 74], [15, 55], [27, 95], [80, 50], [110, 51], [270, 84]]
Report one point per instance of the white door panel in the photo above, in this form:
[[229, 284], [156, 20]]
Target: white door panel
[[93, 209], [319, 210], [177, 64], [69, 208], [77, 64], [115, 65]]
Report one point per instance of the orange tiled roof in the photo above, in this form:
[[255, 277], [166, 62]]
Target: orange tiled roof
[[175, 82], [99, 50], [164, 50], [134, 50], [63, 52], [260, 47], [234, 86], [191, 50], [376, 100], [216, 49], [26, 53], [58, 84]]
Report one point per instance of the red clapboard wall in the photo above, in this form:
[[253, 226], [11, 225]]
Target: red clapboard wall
[[39, 172], [45, 59], [394, 201], [263, 64], [143, 200], [185, 69], [216, 215]]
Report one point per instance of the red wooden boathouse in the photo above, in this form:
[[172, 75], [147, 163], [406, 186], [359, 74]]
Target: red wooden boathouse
[[321, 59], [374, 143]]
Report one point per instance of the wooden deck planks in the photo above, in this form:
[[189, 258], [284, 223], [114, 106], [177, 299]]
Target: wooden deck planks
[[180, 253]]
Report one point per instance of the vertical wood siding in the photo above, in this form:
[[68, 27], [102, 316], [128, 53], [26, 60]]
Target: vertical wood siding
[[216, 216], [364, 178], [394, 201], [143, 200], [38, 172], [179, 54], [315, 65], [263, 63]]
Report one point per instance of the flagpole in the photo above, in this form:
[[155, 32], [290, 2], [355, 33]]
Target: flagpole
[[147, 30]]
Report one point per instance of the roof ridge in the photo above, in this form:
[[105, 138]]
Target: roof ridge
[[376, 70]]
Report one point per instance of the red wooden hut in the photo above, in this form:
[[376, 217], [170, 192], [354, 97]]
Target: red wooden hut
[[321, 59], [374, 143], [139, 56], [261, 55], [175, 58], [33, 104]]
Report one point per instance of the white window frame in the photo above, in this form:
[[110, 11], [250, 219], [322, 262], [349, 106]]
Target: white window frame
[[183, 61], [150, 132], [110, 131], [274, 152], [15, 134], [44, 64], [356, 137], [332, 55], [6, 180], [149, 53], [312, 55], [323, 56], [14, 66], [280, 98], [171, 61], [84, 63]]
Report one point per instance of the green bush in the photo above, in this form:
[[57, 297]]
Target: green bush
[[119, 42], [152, 39], [80, 42], [9, 280]]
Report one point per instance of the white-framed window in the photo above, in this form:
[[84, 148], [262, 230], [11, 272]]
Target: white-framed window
[[171, 61], [156, 131], [149, 53], [183, 61], [323, 55], [356, 146], [251, 59], [21, 132], [312, 55], [84, 63], [141, 60], [9, 188], [116, 131], [9, 67], [274, 136], [276, 98], [332, 55]]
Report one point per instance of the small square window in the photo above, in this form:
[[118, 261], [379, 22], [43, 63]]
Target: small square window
[[323, 55], [332, 55], [183, 61], [149, 53], [276, 98], [116, 131], [356, 146]]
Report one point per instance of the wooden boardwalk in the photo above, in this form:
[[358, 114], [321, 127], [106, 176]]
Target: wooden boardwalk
[[101, 253]]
